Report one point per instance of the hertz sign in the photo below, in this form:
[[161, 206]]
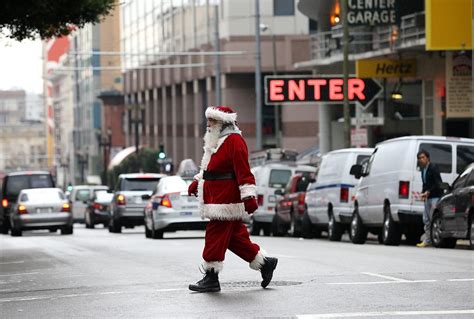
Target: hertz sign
[[308, 89]]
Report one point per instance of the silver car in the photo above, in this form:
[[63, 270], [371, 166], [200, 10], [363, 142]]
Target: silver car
[[41, 208], [170, 209]]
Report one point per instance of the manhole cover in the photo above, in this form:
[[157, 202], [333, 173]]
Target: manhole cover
[[249, 284]]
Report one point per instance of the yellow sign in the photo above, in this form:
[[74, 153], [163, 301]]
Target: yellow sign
[[385, 68], [448, 24]]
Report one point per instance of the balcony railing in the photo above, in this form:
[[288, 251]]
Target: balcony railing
[[362, 39]]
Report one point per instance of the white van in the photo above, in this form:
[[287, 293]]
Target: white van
[[270, 177], [387, 200], [328, 200], [79, 197]]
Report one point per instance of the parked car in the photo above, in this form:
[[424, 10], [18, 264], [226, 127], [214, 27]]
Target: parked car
[[170, 209], [79, 199], [453, 217], [13, 184], [328, 200], [269, 178], [387, 200], [41, 208], [97, 210], [290, 206], [130, 198]]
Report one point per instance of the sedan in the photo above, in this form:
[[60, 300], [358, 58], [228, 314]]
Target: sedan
[[41, 208], [170, 209], [97, 210], [453, 217]]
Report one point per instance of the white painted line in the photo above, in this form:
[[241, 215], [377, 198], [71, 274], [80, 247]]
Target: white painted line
[[466, 279], [380, 282], [383, 276], [386, 313], [21, 274], [13, 262]]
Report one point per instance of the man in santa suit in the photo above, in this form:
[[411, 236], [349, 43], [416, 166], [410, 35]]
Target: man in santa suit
[[226, 190]]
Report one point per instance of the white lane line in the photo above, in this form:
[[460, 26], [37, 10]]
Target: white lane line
[[383, 276], [21, 274], [13, 262], [466, 279], [52, 297], [380, 282], [386, 313]]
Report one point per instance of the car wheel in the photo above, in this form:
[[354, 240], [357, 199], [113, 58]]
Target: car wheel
[[254, 227], [115, 226], [147, 231], [391, 233], [52, 230], [277, 229], [335, 229], [67, 230], [436, 232], [155, 233], [412, 238], [358, 232], [471, 230], [89, 220], [308, 229], [16, 232], [5, 227]]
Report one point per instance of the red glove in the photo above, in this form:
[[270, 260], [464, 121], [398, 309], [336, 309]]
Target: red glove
[[193, 188], [250, 205]]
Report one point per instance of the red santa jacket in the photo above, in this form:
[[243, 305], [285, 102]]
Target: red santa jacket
[[222, 199]]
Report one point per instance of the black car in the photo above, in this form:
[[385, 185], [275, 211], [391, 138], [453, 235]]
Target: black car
[[98, 209], [454, 213], [13, 184]]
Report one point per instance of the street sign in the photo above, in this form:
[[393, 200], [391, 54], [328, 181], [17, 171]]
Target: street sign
[[385, 68], [367, 121], [304, 89], [359, 137]]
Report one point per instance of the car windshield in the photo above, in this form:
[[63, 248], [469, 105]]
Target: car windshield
[[103, 196], [139, 184], [279, 178], [53, 195], [20, 182]]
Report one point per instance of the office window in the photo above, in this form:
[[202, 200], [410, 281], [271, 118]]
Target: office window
[[283, 7]]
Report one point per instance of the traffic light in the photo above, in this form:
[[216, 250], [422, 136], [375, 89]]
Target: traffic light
[[161, 152]]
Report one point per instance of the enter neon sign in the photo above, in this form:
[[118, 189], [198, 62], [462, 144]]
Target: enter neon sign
[[306, 89]]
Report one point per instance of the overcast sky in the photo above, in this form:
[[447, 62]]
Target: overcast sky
[[21, 65]]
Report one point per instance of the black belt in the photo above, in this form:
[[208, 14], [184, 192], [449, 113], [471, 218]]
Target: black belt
[[214, 176]]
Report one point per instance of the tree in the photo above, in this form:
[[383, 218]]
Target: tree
[[29, 19]]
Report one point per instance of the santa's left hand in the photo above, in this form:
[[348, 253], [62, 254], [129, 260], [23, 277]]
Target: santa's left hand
[[250, 205], [193, 188]]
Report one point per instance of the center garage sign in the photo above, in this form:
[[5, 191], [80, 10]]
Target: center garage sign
[[304, 89]]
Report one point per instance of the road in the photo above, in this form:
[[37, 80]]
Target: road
[[96, 274]]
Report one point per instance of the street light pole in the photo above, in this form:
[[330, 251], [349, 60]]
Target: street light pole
[[258, 81], [345, 71], [276, 107]]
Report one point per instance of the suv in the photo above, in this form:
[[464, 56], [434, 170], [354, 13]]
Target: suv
[[130, 198], [291, 207], [13, 184]]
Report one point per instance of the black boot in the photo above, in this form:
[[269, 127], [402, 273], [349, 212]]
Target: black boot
[[267, 270], [210, 283]]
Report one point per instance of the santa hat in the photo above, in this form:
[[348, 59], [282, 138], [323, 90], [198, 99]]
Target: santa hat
[[221, 113]]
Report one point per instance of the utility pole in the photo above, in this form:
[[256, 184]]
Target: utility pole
[[258, 80], [277, 106], [218, 60], [345, 71]]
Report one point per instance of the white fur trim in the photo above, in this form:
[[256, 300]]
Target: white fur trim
[[224, 211], [247, 190], [258, 261], [198, 176], [216, 265], [214, 113]]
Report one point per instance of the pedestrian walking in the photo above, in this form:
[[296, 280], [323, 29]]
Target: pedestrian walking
[[226, 190], [431, 191]]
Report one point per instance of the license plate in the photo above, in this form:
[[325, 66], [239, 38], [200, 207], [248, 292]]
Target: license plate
[[138, 200], [43, 210], [186, 213], [192, 199]]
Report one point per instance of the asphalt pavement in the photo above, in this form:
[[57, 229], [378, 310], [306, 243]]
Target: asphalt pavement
[[96, 274]]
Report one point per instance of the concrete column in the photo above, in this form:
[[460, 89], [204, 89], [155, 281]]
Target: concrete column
[[325, 118], [197, 122], [174, 129], [155, 118], [147, 121], [164, 123], [185, 108]]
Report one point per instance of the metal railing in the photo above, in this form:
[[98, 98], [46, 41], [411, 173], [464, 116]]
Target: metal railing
[[366, 38]]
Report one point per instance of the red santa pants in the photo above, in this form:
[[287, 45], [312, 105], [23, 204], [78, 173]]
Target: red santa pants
[[233, 235]]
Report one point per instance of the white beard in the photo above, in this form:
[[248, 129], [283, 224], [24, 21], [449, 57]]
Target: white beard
[[212, 136]]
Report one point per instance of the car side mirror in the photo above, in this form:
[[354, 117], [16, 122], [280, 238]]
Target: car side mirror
[[356, 170], [280, 192], [445, 187], [146, 197]]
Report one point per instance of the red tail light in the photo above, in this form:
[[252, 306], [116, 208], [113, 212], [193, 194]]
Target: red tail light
[[260, 200], [403, 189], [165, 201], [4, 203], [22, 209], [66, 208], [301, 197], [97, 206], [120, 200], [344, 195]]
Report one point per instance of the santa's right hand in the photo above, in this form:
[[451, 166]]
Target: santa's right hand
[[193, 188], [250, 205]]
